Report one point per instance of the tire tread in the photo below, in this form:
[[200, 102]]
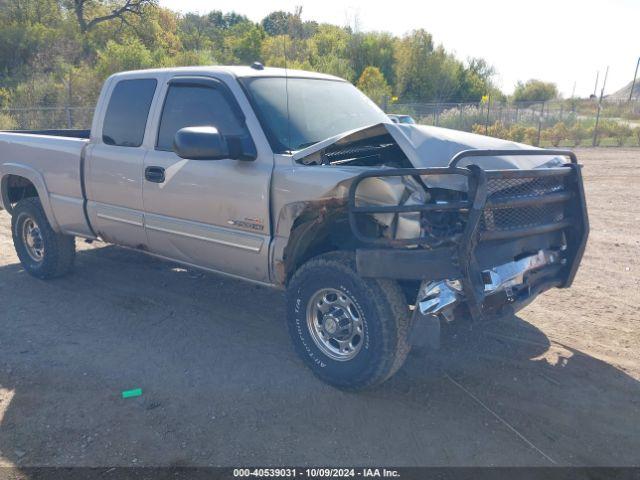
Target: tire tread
[[60, 249], [390, 306]]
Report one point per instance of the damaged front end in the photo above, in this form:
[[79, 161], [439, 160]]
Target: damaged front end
[[484, 250]]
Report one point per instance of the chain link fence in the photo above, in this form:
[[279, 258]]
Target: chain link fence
[[566, 123], [558, 123], [36, 118]]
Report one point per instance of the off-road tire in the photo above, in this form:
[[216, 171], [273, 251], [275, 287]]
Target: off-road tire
[[385, 316], [59, 250]]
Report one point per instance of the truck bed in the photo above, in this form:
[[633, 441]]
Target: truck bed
[[71, 133], [52, 161]]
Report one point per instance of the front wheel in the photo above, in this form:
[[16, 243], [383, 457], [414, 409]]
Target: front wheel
[[43, 252], [351, 332]]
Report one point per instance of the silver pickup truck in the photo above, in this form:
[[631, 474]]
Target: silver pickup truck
[[379, 232]]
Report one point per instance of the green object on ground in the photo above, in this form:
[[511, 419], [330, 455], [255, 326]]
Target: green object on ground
[[132, 393]]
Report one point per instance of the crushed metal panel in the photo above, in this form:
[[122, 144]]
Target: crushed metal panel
[[427, 147]]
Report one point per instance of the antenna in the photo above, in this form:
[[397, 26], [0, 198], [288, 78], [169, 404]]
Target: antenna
[[286, 90]]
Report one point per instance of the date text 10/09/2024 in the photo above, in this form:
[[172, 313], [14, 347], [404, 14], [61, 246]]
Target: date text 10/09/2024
[[316, 472]]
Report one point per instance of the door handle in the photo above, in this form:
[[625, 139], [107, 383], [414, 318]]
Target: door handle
[[154, 174]]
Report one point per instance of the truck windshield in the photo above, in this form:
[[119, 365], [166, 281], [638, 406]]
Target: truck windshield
[[317, 109]]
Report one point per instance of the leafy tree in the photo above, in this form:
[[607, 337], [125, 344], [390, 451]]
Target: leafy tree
[[425, 73], [158, 30], [243, 44], [443, 76], [58, 52], [475, 81], [412, 73], [283, 51], [276, 23], [225, 21], [535, 91], [328, 51], [374, 85], [372, 48], [117, 57]]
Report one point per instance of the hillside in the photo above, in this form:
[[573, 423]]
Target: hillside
[[623, 93]]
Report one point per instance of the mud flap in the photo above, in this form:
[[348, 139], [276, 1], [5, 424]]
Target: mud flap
[[425, 331]]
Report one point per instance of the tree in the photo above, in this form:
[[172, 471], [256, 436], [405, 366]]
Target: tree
[[425, 73], [535, 91], [117, 57], [243, 44], [372, 48], [298, 52], [113, 10], [411, 70], [373, 84], [476, 81], [276, 23], [328, 51]]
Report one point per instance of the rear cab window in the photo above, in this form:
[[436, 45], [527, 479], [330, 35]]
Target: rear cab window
[[128, 111]]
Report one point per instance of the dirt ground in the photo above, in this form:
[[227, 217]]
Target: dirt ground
[[558, 384]]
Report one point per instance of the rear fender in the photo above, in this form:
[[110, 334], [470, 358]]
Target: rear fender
[[38, 182]]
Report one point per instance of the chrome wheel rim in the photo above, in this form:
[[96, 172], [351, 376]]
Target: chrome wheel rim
[[336, 324], [32, 239]]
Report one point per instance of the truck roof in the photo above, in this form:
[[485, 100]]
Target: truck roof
[[237, 71]]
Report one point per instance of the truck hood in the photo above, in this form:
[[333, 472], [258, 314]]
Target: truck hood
[[427, 147]]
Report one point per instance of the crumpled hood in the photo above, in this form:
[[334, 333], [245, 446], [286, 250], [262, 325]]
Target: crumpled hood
[[427, 146]]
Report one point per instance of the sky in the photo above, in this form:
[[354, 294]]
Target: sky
[[561, 41]]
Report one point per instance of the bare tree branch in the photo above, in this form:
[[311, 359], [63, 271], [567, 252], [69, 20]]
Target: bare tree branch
[[129, 7]]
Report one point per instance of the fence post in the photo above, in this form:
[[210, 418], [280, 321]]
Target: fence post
[[69, 121], [595, 128], [486, 123], [540, 124]]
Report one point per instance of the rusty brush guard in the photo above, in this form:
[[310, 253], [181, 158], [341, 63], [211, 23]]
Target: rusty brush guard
[[500, 205]]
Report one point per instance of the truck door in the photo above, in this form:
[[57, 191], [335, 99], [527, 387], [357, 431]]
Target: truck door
[[208, 213], [114, 163]]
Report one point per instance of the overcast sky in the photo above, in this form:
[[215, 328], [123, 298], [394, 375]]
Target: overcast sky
[[562, 41]]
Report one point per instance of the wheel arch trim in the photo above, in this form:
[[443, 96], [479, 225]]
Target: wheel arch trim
[[38, 181]]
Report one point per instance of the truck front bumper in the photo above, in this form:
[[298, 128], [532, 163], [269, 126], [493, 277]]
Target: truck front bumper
[[525, 232]]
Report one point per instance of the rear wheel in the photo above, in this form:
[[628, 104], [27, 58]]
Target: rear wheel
[[42, 252], [351, 332]]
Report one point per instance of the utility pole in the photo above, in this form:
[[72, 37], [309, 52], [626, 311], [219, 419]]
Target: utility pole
[[595, 128], [633, 83], [595, 89]]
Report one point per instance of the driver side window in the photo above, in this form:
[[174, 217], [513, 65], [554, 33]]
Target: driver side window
[[194, 106]]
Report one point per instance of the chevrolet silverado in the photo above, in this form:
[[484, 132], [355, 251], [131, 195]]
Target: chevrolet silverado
[[379, 232]]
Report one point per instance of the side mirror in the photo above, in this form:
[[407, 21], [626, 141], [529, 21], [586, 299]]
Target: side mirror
[[206, 143], [200, 143]]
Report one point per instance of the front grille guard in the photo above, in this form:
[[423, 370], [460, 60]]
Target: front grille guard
[[574, 224]]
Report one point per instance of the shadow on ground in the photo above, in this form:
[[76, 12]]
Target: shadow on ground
[[221, 385]]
